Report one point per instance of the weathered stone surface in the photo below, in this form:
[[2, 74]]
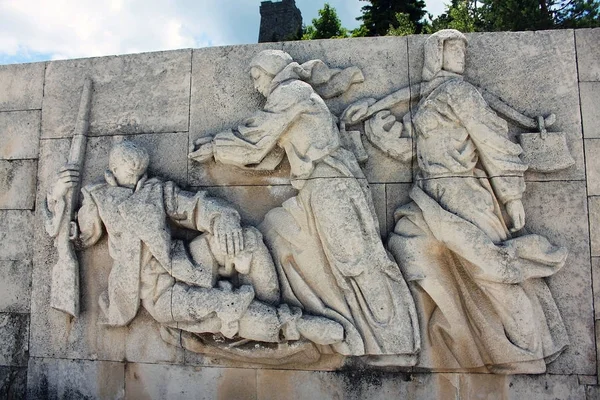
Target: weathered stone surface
[[303, 385], [19, 134], [590, 109], [17, 184], [592, 159], [594, 216], [167, 152], [596, 283], [21, 86], [588, 54], [245, 199], [16, 235], [15, 286], [383, 61], [138, 93], [13, 383], [218, 102], [53, 334], [143, 343], [557, 211], [146, 381], [397, 194], [75, 379], [533, 72], [14, 337], [592, 392]]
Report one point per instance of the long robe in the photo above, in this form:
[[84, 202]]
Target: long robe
[[481, 303], [325, 241]]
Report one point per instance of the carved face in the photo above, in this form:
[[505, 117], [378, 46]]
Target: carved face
[[454, 56], [126, 176], [262, 80]]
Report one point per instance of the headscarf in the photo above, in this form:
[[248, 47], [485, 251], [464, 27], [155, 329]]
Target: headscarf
[[327, 82], [434, 51]]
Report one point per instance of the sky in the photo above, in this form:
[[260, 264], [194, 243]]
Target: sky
[[39, 30]]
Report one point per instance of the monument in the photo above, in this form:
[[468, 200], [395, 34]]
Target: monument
[[415, 221]]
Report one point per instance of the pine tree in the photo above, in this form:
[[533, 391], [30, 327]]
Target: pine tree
[[379, 15]]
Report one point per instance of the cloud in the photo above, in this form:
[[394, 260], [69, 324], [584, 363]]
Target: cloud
[[32, 30]]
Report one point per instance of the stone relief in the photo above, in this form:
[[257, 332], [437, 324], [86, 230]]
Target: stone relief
[[473, 269], [315, 277], [325, 241]]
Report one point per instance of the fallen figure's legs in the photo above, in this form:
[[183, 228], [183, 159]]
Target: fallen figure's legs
[[235, 313]]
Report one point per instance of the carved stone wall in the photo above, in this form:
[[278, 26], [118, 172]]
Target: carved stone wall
[[165, 102]]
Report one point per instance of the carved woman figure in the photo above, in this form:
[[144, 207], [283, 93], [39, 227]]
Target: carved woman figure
[[325, 241], [478, 290]]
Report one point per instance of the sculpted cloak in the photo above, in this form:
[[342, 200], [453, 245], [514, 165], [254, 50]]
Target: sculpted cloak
[[481, 301], [325, 241]]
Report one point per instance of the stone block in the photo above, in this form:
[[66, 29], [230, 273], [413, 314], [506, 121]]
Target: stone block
[[594, 212], [349, 384], [17, 184], [592, 159], [168, 155], [596, 285], [253, 202], [136, 93], [556, 210], [590, 109], [588, 54], [592, 392], [20, 134], [15, 286], [75, 379], [534, 72], [143, 343], [397, 194], [14, 337], [16, 235], [13, 383], [21, 86], [148, 381]]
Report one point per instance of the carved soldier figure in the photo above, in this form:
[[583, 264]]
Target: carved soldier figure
[[475, 277], [325, 241], [228, 286]]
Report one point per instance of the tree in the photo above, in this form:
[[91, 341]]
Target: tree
[[380, 14], [326, 26], [526, 15], [405, 26], [462, 15]]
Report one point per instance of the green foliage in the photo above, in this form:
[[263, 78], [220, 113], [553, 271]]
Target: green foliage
[[326, 26], [461, 15], [516, 15], [405, 26], [379, 15]]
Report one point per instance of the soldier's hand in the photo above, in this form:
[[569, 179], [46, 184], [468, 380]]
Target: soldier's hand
[[357, 112], [202, 149], [228, 234], [68, 178]]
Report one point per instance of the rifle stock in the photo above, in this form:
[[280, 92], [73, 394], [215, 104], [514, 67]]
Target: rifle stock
[[64, 293]]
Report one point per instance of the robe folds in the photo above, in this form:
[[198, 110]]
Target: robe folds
[[482, 302], [325, 241]]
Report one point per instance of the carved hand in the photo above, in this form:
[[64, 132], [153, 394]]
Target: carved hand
[[68, 177], [202, 149], [228, 234], [515, 211], [357, 112]]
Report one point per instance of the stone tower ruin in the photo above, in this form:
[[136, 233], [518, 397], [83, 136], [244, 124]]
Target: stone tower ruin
[[279, 21]]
